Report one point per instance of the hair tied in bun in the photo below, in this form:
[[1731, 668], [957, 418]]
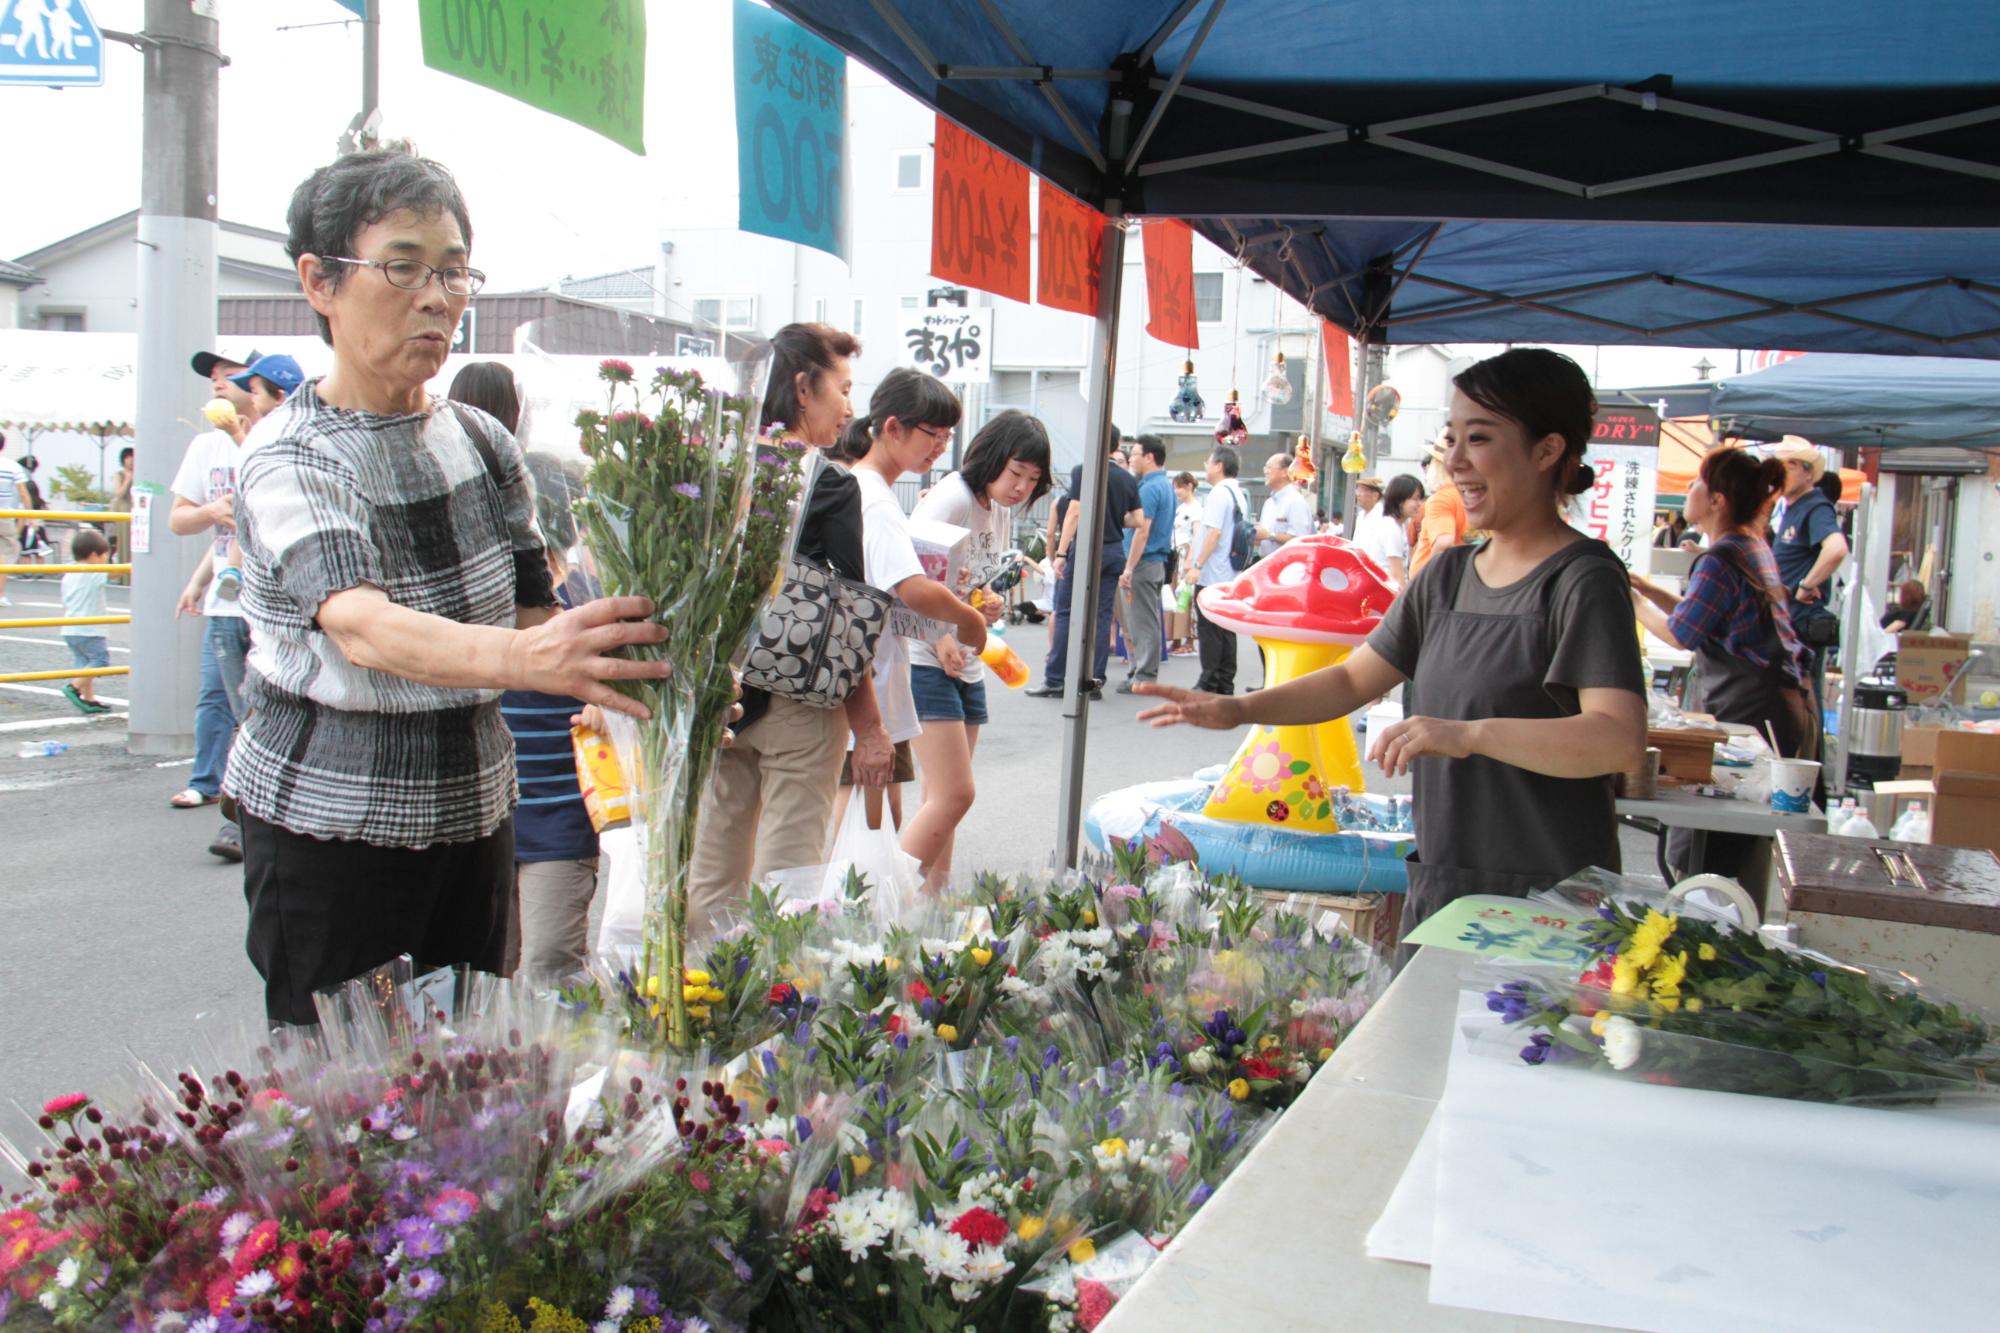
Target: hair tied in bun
[[1583, 479]]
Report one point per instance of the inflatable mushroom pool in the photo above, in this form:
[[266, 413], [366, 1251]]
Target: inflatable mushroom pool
[[1288, 811]]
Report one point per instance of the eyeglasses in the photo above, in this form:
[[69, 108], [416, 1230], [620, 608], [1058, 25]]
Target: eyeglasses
[[413, 275], [936, 434]]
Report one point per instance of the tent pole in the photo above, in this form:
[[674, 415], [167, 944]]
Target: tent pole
[[1085, 586], [1850, 631]]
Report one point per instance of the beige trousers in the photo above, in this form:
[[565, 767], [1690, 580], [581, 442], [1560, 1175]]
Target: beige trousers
[[767, 808], [548, 934]]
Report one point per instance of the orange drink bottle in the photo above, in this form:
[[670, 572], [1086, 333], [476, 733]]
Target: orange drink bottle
[[1005, 662], [605, 797]]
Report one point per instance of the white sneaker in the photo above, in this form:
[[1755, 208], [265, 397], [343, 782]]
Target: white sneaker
[[5, 600]]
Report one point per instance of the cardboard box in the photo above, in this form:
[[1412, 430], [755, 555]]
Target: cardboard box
[[1967, 812], [1931, 667], [1967, 752], [1919, 751]]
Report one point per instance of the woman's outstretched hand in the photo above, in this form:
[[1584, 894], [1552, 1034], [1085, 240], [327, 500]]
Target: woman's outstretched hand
[[1217, 712], [1416, 738]]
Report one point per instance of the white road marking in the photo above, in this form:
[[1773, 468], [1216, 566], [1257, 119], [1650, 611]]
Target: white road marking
[[57, 693], [53, 643], [41, 724]]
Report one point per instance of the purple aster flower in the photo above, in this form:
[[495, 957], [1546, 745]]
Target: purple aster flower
[[420, 1238], [646, 1303], [422, 1284], [688, 489]]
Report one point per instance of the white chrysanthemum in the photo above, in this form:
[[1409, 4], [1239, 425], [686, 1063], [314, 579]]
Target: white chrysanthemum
[[1622, 1042], [942, 1254], [66, 1273], [964, 1292], [620, 1303], [987, 1264], [805, 1275], [1015, 986], [606, 1326], [854, 1223], [774, 1127], [235, 1227], [252, 1285]]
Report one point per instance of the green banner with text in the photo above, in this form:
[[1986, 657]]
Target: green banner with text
[[583, 60]]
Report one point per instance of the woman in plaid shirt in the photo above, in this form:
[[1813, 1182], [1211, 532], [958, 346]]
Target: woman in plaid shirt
[[394, 584]]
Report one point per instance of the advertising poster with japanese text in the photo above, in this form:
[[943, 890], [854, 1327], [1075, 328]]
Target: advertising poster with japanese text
[[1624, 453]]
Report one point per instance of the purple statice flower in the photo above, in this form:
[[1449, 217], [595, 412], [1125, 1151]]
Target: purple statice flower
[[688, 489]]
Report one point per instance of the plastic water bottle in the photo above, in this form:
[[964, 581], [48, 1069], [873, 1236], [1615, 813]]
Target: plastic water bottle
[[1858, 824], [1913, 825], [40, 749]]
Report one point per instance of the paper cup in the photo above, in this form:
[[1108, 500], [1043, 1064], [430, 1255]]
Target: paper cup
[[1792, 784]]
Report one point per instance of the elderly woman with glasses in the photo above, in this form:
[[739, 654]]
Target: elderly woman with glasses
[[394, 584]]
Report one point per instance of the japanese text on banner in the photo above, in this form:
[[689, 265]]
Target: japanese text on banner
[[950, 344], [585, 63], [979, 215], [1618, 509], [1070, 258], [1170, 281], [791, 132]]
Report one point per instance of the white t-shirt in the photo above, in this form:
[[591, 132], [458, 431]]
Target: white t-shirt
[[1381, 537], [1287, 513], [207, 473], [889, 557], [1224, 508], [992, 528]]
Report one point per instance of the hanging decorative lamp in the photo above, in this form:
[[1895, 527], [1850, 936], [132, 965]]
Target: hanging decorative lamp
[[1303, 470], [1278, 385], [1352, 462], [1187, 404]]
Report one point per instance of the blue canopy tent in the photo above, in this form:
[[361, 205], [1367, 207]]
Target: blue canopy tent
[[1823, 177], [1852, 402]]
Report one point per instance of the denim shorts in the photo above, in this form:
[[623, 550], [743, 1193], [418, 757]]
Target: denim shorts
[[941, 698], [92, 652]]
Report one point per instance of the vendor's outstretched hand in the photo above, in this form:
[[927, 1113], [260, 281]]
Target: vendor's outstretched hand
[[568, 653], [1218, 712], [1417, 738]]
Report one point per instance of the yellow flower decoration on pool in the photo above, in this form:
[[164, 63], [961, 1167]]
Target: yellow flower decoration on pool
[[947, 1032], [981, 956], [1082, 1251], [1705, 952], [1031, 1228], [1624, 975], [1239, 1089], [1647, 939]]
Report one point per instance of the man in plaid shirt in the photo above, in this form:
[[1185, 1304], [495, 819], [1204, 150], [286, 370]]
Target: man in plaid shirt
[[394, 584]]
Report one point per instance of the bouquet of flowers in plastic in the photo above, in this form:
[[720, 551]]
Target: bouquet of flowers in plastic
[[1677, 999], [691, 507]]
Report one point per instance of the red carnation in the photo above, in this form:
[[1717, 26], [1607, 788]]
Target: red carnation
[[918, 992], [1258, 1067], [978, 1226], [1093, 1301], [1597, 978], [782, 994]]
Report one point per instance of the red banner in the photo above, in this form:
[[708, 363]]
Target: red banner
[[1339, 369], [1170, 281], [979, 215], [1070, 253]]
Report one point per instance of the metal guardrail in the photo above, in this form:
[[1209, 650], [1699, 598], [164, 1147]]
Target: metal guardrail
[[49, 622]]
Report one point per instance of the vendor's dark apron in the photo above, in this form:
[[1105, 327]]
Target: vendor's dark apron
[[1472, 812], [1736, 689]]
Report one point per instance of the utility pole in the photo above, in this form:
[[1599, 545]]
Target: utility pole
[[371, 75], [176, 261]]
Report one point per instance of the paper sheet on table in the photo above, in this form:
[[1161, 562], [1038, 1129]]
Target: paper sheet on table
[[1404, 1231], [1512, 928], [1566, 1194]]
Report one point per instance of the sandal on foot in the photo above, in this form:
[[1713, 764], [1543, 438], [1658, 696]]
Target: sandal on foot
[[190, 799]]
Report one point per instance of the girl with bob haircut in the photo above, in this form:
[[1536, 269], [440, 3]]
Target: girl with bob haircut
[[1733, 617], [1521, 648], [909, 423], [1005, 468]]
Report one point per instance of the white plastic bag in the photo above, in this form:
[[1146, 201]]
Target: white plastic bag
[[876, 854], [621, 931]]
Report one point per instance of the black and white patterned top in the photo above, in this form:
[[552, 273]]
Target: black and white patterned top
[[329, 499]]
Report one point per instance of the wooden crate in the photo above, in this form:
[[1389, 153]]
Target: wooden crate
[[1375, 918], [1686, 753]]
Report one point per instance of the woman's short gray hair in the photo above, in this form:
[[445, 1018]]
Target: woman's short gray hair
[[358, 190]]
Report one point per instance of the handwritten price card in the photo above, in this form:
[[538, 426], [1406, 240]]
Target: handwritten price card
[[1170, 281], [1070, 260], [585, 63], [791, 132], [1510, 928], [979, 215]]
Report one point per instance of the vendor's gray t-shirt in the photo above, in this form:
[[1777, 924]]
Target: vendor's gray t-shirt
[[1524, 650]]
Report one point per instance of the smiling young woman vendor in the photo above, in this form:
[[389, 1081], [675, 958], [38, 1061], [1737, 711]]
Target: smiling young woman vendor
[[1522, 650]]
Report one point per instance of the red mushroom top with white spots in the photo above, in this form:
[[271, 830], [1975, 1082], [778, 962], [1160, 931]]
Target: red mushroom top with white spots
[[1313, 590]]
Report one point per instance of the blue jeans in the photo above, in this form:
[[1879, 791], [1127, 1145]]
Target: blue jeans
[[224, 644], [1111, 563]]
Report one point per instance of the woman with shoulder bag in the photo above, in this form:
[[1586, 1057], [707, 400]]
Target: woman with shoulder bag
[[773, 790], [1734, 619]]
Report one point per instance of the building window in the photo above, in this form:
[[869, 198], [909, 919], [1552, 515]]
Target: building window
[[735, 314], [708, 311], [1208, 297], [909, 302], [855, 327], [61, 321], [819, 311], [909, 171]]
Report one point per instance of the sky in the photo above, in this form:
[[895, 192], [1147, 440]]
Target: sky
[[548, 199]]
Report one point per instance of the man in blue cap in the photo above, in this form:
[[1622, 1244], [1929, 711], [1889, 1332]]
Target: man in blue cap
[[269, 380]]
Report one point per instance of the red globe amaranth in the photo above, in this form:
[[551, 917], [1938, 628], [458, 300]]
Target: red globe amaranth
[[978, 1226]]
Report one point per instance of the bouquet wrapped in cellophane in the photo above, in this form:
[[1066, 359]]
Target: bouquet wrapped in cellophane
[[688, 505]]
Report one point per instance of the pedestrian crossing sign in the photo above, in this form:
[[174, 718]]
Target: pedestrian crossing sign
[[50, 44]]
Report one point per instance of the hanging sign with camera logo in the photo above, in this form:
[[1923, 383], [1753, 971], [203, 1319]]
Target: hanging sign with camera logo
[[791, 132]]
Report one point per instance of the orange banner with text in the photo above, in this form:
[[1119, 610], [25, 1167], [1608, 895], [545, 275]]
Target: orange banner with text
[[1070, 253], [979, 215], [1170, 281], [1339, 369]]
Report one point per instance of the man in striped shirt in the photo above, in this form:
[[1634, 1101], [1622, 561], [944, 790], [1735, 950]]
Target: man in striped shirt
[[394, 583]]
